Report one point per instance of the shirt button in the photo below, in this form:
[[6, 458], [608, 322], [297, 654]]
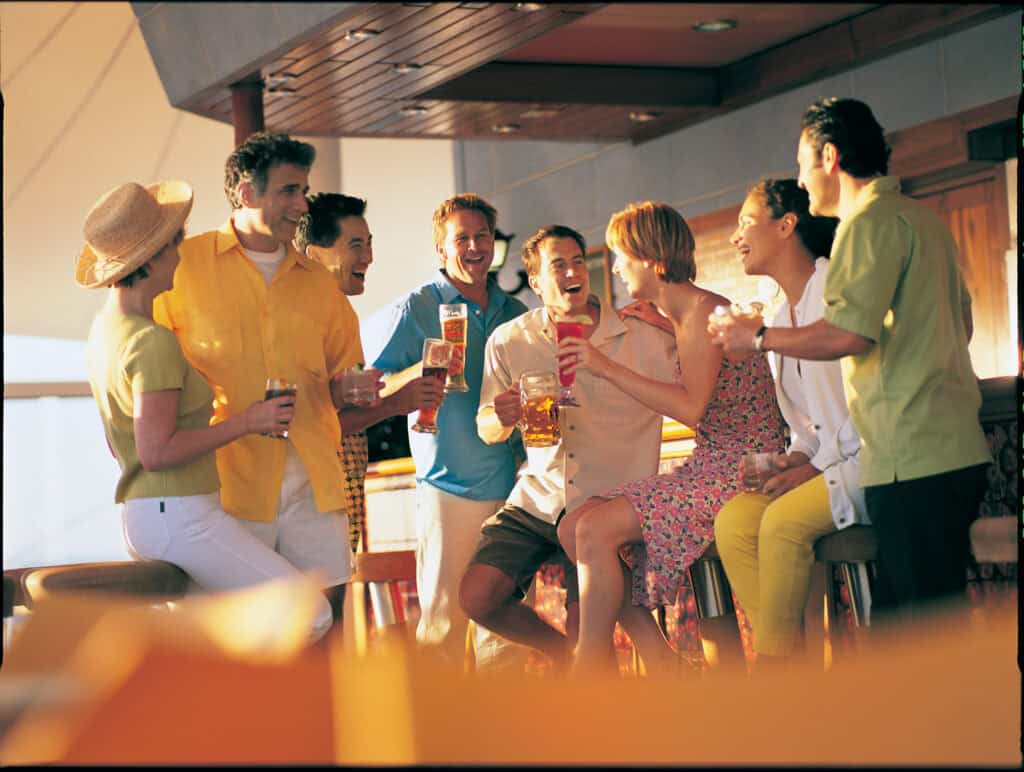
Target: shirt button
[[572, 427], [572, 455], [831, 482], [477, 312], [572, 482], [817, 427]]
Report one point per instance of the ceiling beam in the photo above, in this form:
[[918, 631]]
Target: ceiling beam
[[850, 43], [582, 84]]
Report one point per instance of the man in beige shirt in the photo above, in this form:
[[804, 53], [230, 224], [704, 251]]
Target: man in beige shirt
[[608, 440]]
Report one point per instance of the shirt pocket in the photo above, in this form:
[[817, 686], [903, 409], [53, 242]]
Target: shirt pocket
[[300, 340]]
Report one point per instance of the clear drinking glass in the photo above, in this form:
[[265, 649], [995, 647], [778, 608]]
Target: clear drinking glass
[[538, 392], [756, 469], [567, 328], [437, 356], [454, 326], [279, 387], [359, 386]]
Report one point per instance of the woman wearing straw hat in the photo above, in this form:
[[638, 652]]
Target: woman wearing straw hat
[[156, 408]]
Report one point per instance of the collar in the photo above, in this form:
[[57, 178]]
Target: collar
[[879, 186], [449, 293], [608, 326], [227, 239]]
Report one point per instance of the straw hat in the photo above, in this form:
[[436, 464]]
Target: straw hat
[[127, 227]]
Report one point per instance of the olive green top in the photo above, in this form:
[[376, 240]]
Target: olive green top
[[894, 278], [128, 355]]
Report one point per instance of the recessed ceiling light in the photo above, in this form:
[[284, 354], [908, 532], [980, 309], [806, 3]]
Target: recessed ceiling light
[[643, 116], [528, 7], [506, 128], [402, 68], [413, 109], [278, 80], [715, 25], [361, 34]]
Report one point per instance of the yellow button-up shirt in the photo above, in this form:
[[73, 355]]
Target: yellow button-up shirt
[[238, 332]]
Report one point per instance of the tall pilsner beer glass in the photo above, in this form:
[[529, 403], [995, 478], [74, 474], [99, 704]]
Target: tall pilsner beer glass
[[454, 324]]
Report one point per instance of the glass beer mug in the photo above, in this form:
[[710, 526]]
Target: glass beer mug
[[538, 392]]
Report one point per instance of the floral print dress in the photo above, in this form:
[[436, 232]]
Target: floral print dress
[[677, 510]]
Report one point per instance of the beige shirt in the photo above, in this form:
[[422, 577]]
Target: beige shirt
[[610, 439]]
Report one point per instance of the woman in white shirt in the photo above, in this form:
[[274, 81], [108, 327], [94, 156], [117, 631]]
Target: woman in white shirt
[[766, 538]]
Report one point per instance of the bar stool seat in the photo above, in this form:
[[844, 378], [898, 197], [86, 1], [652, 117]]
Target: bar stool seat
[[151, 581], [854, 549]]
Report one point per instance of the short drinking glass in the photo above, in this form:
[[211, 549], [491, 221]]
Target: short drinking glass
[[756, 469], [279, 387], [437, 355]]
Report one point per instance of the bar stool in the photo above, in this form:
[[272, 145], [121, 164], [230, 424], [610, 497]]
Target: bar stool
[[720, 638], [151, 581], [854, 550]]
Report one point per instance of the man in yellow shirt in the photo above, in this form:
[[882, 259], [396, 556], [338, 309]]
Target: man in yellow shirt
[[247, 306], [335, 233], [897, 313]]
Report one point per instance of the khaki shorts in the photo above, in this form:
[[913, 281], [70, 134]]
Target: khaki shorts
[[517, 544]]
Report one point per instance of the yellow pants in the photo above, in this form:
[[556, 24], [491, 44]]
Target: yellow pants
[[767, 548]]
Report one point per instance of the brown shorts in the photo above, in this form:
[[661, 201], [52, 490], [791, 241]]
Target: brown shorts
[[517, 544]]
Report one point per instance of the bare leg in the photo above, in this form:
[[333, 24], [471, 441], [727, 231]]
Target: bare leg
[[657, 653], [599, 533], [488, 596], [723, 646]]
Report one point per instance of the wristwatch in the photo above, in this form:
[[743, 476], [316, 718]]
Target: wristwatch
[[759, 338]]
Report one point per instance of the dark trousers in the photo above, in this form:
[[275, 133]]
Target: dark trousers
[[923, 529]]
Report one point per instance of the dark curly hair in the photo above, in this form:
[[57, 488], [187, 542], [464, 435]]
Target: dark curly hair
[[531, 247], [253, 159], [849, 125], [782, 196], [319, 226]]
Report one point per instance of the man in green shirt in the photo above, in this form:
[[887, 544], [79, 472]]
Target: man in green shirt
[[897, 313]]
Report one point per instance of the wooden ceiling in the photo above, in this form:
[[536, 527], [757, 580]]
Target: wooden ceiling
[[569, 71]]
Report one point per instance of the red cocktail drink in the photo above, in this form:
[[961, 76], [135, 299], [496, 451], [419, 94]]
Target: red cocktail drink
[[567, 329]]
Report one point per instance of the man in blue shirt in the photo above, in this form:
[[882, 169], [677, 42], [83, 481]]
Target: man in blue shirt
[[461, 480]]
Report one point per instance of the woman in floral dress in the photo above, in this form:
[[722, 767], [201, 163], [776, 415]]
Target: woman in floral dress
[[650, 531]]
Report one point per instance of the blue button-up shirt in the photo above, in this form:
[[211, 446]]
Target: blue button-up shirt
[[455, 459]]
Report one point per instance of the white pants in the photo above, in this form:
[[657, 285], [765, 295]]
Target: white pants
[[211, 546], [447, 534], [305, 537]]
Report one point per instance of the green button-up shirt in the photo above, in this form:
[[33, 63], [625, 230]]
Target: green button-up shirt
[[894, 278]]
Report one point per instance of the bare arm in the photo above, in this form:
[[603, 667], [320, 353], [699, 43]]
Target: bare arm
[[396, 381], [819, 341], [420, 392], [496, 422], [685, 402], [162, 445]]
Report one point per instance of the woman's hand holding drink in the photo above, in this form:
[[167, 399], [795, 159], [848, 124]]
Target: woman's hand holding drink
[[565, 328]]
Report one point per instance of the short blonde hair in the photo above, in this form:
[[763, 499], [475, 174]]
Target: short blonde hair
[[654, 231], [454, 204]]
